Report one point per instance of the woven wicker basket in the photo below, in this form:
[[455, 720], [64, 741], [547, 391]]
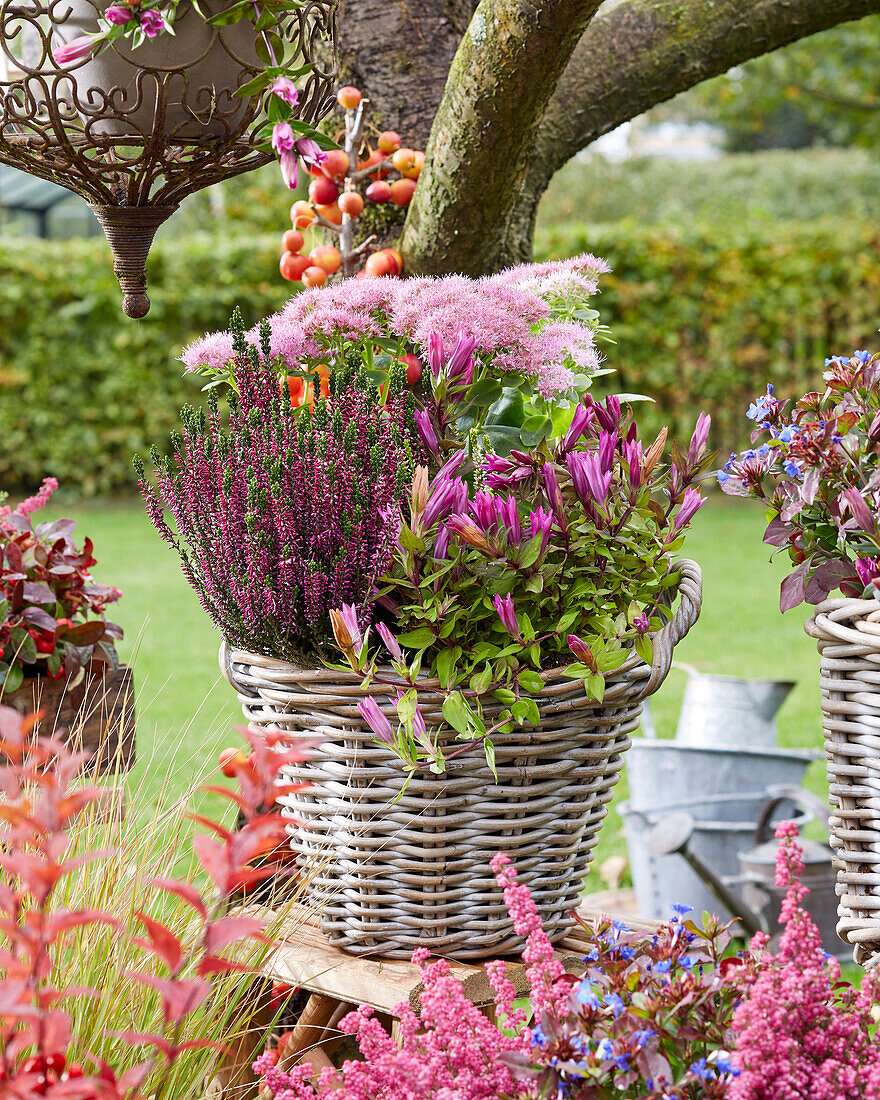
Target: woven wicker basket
[[394, 871], [847, 632]]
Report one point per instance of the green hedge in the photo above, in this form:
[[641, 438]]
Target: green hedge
[[702, 320], [81, 386]]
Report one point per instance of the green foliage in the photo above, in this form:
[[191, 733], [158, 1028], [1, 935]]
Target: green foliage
[[740, 188], [703, 319], [81, 386]]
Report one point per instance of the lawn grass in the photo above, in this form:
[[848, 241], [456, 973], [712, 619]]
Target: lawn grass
[[186, 712]]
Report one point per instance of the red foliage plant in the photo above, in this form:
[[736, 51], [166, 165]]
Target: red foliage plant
[[41, 799]]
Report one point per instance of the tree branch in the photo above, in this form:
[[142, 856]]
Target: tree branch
[[643, 52], [503, 74]]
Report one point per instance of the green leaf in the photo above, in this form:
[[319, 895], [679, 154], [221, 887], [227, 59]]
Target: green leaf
[[480, 680], [594, 686], [457, 712], [12, 678], [23, 645], [529, 553], [530, 680], [505, 695], [446, 665], [406, 707], [489, 749], [644, 648], [484, 393], [417, 639], [410, 541]]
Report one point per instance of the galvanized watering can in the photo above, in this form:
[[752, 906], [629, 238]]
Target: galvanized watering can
[[752, 895], [725, 710]]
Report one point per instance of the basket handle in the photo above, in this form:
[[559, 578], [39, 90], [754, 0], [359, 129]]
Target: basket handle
[[690, 592]]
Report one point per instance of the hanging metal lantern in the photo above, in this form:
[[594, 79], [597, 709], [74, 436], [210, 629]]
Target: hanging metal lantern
[[134, 131]]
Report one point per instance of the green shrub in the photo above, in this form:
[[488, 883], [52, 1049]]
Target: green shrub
[[745, 188], [704, 319], [81, 386]]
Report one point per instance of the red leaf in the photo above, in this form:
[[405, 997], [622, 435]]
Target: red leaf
[[139, 1039], [213, 964], [163, 942], [214, 827], [214, 859], [63, 921], [184, 890], [179, 997], [221, 933]]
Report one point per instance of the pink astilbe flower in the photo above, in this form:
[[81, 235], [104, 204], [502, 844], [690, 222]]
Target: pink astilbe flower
[[799, 1033]]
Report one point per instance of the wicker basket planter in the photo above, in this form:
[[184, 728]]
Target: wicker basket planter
[[847, 632], [394, 871]]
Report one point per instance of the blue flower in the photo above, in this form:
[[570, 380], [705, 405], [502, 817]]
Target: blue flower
[[586, 995], [686, 962], [791, 468], [702, 1070], [605, 1050], [539, 1039], [663, 966], [722, 476], [862, 356], [615, 1003], [591, 955], [622, 1061], [619, 926], [642, 1037], [764, 450], [682, 909], [746, 455], [787, 434], [627, 952], [724, 1065]]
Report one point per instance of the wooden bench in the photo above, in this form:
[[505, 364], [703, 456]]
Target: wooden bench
[[338, 982]]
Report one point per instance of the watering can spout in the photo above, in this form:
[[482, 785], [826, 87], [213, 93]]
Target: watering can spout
[[768, 696]]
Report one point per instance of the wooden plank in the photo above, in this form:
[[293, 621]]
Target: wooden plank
[[310, 961]]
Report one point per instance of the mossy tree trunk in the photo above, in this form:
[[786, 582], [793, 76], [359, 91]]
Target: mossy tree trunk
[[514, 88]]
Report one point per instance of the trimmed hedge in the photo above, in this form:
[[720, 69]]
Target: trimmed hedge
[[703, 319], [81, 386]]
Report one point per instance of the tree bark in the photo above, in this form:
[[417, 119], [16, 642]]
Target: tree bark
[[643, 52], [500, 82], [398, 52]]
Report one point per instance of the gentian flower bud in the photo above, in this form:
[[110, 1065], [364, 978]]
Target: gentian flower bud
[[579, 422], [508, 514], [582, 651], [74, 50], [590, 483], [690, 505], [607, 444], [285, 89], [391, 643], [554, 495], [507, 614], [541, 522], [467, 531], [699, 439], [376, 720], [118, 15], [428, 436], [419, 493], [861, 512]]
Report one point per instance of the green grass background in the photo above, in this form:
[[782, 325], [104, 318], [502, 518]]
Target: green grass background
[[187, 713]]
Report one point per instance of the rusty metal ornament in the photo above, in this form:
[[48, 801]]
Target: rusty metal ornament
[[134, 131]]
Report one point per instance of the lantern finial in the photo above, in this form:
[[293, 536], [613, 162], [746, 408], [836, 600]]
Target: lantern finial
[[130, 231]]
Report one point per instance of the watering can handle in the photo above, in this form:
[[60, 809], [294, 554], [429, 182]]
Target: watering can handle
[[785, 793], [690, 593]]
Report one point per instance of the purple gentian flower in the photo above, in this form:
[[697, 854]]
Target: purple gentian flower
[[152, 22], [376, 720], [507, 614], [641, 623], [579, 422], [428, 436], [285, 89], [541, 522], [391, 643], [508, 514], [867, 569], [554, 496], [590, 482], [690, 504], [74, 50], [700, 438], [118, 15]]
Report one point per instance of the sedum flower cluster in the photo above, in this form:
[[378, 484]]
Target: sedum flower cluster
[[282, 514], [815, 468]]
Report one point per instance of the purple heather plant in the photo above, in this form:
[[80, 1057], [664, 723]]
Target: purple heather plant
[[815, 468], [283, 514]]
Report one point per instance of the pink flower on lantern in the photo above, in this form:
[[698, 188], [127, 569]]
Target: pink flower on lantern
[[285, 89], [152, 22], [118, 14]]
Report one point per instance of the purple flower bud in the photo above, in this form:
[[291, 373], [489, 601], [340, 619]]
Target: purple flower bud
[[283, 138], [461, 363], [633, 456], [445, 495], [541, 522], [118, 15], [582, 651], [310, 151], [467, 531], [376, 720], [285, 89], [507, 614], [590, 483], [289, 165], [152, 22], [868, 569], [690, 504], [554, 496], [74, 50], [699, 438], [436, 353], [508, 514], [641, 623], [391, 643], [607, 444], [441, 543], [580, 420], [607, 416], [426, 432], [484, 508]]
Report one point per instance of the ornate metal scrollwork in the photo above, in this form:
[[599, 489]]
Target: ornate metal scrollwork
[[134, 131]]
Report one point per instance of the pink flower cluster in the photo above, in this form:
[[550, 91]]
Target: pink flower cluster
[[33, 503], [510, 317], [801, 1032]]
